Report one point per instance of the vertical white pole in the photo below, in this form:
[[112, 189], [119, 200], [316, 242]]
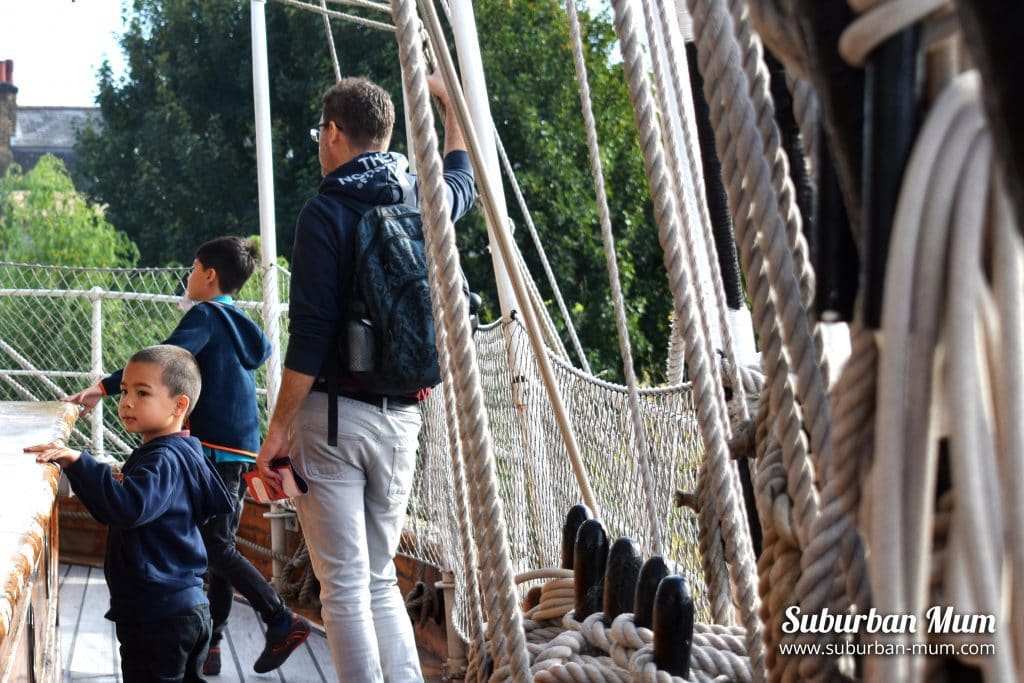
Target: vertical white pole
[[96, 368], [473, 84], [268, 232], [265, 176]]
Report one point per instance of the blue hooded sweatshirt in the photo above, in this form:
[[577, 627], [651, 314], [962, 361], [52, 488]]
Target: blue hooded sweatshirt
[[155, 558], [321, 281], [228, 347]]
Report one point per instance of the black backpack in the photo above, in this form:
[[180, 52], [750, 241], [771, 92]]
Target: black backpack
[[390, 344]]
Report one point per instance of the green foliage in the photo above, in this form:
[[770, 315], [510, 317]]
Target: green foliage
[[176, 162], [175, 159], [43, 219], [535, 103]]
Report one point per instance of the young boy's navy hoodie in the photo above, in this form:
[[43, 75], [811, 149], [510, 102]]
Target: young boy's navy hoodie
[[228, 347], [155, 558]]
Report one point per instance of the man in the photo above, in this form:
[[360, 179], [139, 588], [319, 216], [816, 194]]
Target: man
[[353, 512]]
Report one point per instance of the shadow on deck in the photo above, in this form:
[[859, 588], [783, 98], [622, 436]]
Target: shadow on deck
[[89, 647]]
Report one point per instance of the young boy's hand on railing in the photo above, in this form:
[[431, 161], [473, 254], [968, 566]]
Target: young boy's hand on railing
[[55, 451]]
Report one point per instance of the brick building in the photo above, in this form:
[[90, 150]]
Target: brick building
[[27, 133]]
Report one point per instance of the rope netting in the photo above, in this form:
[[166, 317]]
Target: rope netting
[[847, 498], [536, 482], [63, 328]]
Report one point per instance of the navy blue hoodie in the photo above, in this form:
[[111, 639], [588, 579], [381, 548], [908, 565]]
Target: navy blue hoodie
[[155, 556], [228, 347], [321, 279]]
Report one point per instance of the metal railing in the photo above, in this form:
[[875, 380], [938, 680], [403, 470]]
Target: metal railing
[[63, 329]]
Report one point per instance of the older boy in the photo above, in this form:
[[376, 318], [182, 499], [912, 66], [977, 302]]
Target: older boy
[[155, 559], [228, 347]]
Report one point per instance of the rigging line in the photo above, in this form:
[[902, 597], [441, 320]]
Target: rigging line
[[735, 532], [330, 41], [752, 59], [368, 4], [541, 310], [639, 431], [443, 255], [750, 196], [803, 339], [666, 92], [682, 92], [543, 317], [540, 251], [506, 244], [369, 23]]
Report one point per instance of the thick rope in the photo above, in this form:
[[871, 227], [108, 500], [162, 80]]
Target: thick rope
[[779, 563], [747, 178], [731, 136], [712, 550], [447, 297], [459, 485], [760, 96], [836, 542], [682, 92], [1007, 284], [800, 339], [881, 20], [734, 525], [945, 198], [898, 553], [668, 90], [643, 449], [978, 555], [507, 248]]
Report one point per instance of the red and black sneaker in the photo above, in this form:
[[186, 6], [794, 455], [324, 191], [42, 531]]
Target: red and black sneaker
[[281, 642], [211, 667]]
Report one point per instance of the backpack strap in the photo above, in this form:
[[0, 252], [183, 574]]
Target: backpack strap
[[334, 365]]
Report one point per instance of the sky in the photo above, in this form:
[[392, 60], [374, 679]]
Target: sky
[[58, 46]]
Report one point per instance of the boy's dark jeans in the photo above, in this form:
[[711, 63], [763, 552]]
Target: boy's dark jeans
[[165, 650], [228, 567]]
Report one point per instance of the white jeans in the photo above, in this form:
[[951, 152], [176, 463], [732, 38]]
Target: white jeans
[[352, 519]]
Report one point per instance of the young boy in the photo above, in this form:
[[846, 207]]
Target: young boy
[[228, 347], [155, 559]]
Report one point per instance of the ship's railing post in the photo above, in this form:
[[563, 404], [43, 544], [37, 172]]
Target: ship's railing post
[[455, 667], [96, 367]]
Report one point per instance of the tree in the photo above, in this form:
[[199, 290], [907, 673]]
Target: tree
[[175, 160], [43, 219], [527, 51]]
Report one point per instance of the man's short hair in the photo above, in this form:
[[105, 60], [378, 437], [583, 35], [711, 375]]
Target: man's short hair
[[363, 110], [234, 259], [179, 370]]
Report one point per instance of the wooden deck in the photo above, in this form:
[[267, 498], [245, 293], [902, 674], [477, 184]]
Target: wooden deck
[[89, 647]]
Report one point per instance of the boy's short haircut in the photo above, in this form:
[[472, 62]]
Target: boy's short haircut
[[234, 259], [179, 370], [363, 110]]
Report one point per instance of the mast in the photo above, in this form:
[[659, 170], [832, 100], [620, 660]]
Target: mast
[[474, 86], [268, 234]]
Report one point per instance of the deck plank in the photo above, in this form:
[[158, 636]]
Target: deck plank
[[74, 579], [95, 653], [89, 646]]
